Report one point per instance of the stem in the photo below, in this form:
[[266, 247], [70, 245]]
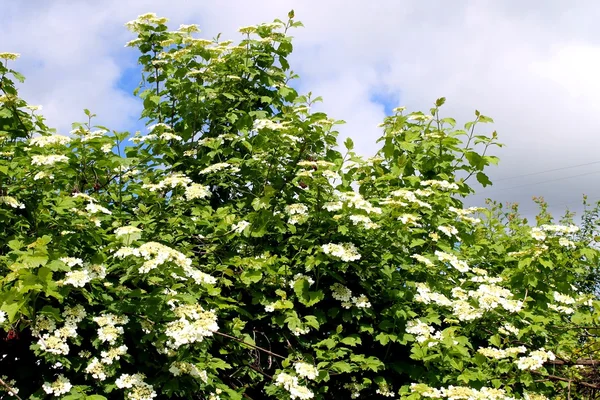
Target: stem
[[249, 344], [11, 391]]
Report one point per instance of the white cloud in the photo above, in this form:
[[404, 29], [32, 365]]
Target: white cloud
[[531, 66]]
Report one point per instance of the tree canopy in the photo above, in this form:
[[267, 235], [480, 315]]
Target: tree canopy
[[235, 250]]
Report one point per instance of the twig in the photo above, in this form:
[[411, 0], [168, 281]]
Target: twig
[[11, 391], [249, 344], [560, 378]]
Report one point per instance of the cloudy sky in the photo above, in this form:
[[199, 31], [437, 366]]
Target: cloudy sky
[[533, 66]]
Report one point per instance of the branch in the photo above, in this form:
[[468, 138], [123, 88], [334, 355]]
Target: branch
[[249, 344], [560, 378], [11, 391], [581, 361]]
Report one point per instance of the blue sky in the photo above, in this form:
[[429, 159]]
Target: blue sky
[[532, 66]]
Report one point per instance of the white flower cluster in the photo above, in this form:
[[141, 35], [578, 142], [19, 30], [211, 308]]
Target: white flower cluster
[[509, 329], [112, 354], [333, 206], [144, 20], [448, 230], [540, 232], [464, 214], [110, 329], [11, 202], [385, 391], [410, 219], [298, 213], [128, 233], [137, 388], [48, 160], [290, 383], [423, 332], [192, 190], [442, 185], [54, 341], [318, 163], [498, 354], [2, 317], [363, 220], [535, 360], [488, 296], [460, 265], [560, 229], [94, 208], [564, 242], [194, 324], [459, 392], [268, 124], [59, 387], [43, 174], [354, 199], [157, 254], [565, 301], [219, 167], [240, 226], [49, 140], [343, 294], [80, 277], [410, 197], [345, 251], [306, 370], [180, 368]]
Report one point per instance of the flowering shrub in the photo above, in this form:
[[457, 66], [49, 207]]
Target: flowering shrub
[[235, 252]]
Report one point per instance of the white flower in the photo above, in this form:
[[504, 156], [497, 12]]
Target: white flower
[[443, 185], [564, 242], [2, 317], [538, 234], [296, 209], [410, 219], [290, 383], [306, 370], [12, 202], [42, 175], [9, 56], [112, 354], [43, 141], [535, 360], [448, 230], [72, 261], [361, 301], [218, 167], [77, 278], [58, 387], [345, 251], [196, 191], [94, 208], [127, 230], [240, 226], [48, 160], [194, 324], [460, 265]]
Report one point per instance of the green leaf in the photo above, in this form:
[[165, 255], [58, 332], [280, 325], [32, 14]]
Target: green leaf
[[251, 276], [349, 144], [483, 179]]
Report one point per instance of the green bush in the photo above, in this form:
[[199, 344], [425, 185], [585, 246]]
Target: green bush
[[235, 251]]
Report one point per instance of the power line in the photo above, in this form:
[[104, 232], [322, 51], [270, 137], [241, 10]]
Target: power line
[[535, 183], [548, 170]]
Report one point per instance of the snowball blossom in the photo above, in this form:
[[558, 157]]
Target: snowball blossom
[[344, 251]]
